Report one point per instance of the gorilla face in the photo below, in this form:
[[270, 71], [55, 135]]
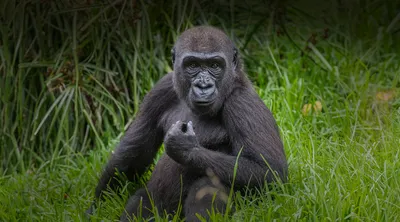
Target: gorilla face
[[204, 69]]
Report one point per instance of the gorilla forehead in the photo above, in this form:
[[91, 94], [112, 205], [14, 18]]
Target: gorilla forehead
[[204, 39]]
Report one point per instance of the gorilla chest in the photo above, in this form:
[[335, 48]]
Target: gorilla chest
[[210, 132]]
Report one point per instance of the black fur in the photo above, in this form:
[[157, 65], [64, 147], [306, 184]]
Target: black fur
[[199, 139]]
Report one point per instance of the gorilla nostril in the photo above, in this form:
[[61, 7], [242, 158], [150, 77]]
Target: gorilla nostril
[[204, 85]]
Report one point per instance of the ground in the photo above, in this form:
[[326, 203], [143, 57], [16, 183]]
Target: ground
[[334, 90]]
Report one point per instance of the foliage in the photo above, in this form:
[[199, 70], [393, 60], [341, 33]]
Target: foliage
[[72, 75]]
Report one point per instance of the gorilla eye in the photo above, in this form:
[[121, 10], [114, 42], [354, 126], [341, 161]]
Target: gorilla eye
[[192, 65], [215, 66]]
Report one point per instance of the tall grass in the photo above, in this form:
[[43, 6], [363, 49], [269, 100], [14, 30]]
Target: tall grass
[[74, 73], [72, 76]]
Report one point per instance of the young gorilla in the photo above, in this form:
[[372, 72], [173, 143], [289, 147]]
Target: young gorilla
[[208, 114]]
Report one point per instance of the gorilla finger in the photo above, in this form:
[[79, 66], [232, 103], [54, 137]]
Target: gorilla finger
[[190, 130], [171, 127], [180, 126], [174, 124], [175, 129]]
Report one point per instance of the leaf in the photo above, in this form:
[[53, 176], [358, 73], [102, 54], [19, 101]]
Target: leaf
[[317, 106], [306, 109], [385, 96]]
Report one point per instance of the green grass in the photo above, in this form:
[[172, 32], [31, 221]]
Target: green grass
[[72, 76]]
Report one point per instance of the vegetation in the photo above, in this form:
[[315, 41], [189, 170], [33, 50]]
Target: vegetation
[[73, 74]]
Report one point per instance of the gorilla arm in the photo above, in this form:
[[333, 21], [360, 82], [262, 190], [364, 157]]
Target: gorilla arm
[[254, 137], [140, 143], [252, 128]]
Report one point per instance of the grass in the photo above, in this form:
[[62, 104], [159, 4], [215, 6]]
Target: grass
[[72, 77]]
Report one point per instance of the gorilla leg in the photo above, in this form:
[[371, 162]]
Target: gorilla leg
[[203, 196], [168, 186], [139, 205]]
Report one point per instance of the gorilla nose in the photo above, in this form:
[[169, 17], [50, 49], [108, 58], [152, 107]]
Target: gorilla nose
[[204, 89], [203, 85]]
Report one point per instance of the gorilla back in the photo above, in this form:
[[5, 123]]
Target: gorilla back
[[209, 117]]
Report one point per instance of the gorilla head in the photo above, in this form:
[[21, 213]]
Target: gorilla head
[[205, 66]]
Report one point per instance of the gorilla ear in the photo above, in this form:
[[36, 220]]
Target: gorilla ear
[[235, 58], [173, 55]]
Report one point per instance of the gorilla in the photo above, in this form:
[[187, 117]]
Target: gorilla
[[217, 133]]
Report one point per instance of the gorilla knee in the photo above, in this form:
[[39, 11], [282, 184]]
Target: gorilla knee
[[210, 194], [204, 197]]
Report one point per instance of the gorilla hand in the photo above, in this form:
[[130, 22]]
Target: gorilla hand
[[180, 141]]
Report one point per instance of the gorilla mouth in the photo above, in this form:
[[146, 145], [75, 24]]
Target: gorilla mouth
[[203, 102], [203, 99]]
